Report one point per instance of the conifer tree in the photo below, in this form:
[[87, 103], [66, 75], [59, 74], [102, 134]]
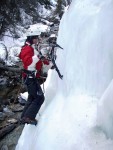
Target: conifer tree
[[10, 12]]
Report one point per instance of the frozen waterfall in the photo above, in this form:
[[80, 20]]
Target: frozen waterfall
[[69, 119]]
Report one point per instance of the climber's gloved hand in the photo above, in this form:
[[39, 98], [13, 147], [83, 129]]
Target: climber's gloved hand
[[53, 67], [41, 57]]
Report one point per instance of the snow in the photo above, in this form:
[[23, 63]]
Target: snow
[[72, 116], [3, 52], [24, 95], [105, 111]]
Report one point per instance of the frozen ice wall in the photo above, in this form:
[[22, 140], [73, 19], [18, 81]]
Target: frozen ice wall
[[68, 121], [105, 111], [86, 34]]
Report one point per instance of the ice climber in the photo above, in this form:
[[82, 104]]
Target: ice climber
[[35, 73]]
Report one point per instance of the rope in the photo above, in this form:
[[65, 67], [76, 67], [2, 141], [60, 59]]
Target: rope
[[43, 79]]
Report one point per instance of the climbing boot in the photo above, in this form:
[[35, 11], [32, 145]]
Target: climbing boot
[[27, 120]]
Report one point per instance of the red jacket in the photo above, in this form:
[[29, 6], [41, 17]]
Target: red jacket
[[31, 60]]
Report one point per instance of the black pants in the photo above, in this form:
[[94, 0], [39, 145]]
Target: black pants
[[35, 98]]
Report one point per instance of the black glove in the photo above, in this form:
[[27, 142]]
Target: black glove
[[52, 67], [41, 57]]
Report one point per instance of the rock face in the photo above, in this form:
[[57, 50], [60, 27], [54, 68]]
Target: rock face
[[10, 111], [11, 139], [10, 130]]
